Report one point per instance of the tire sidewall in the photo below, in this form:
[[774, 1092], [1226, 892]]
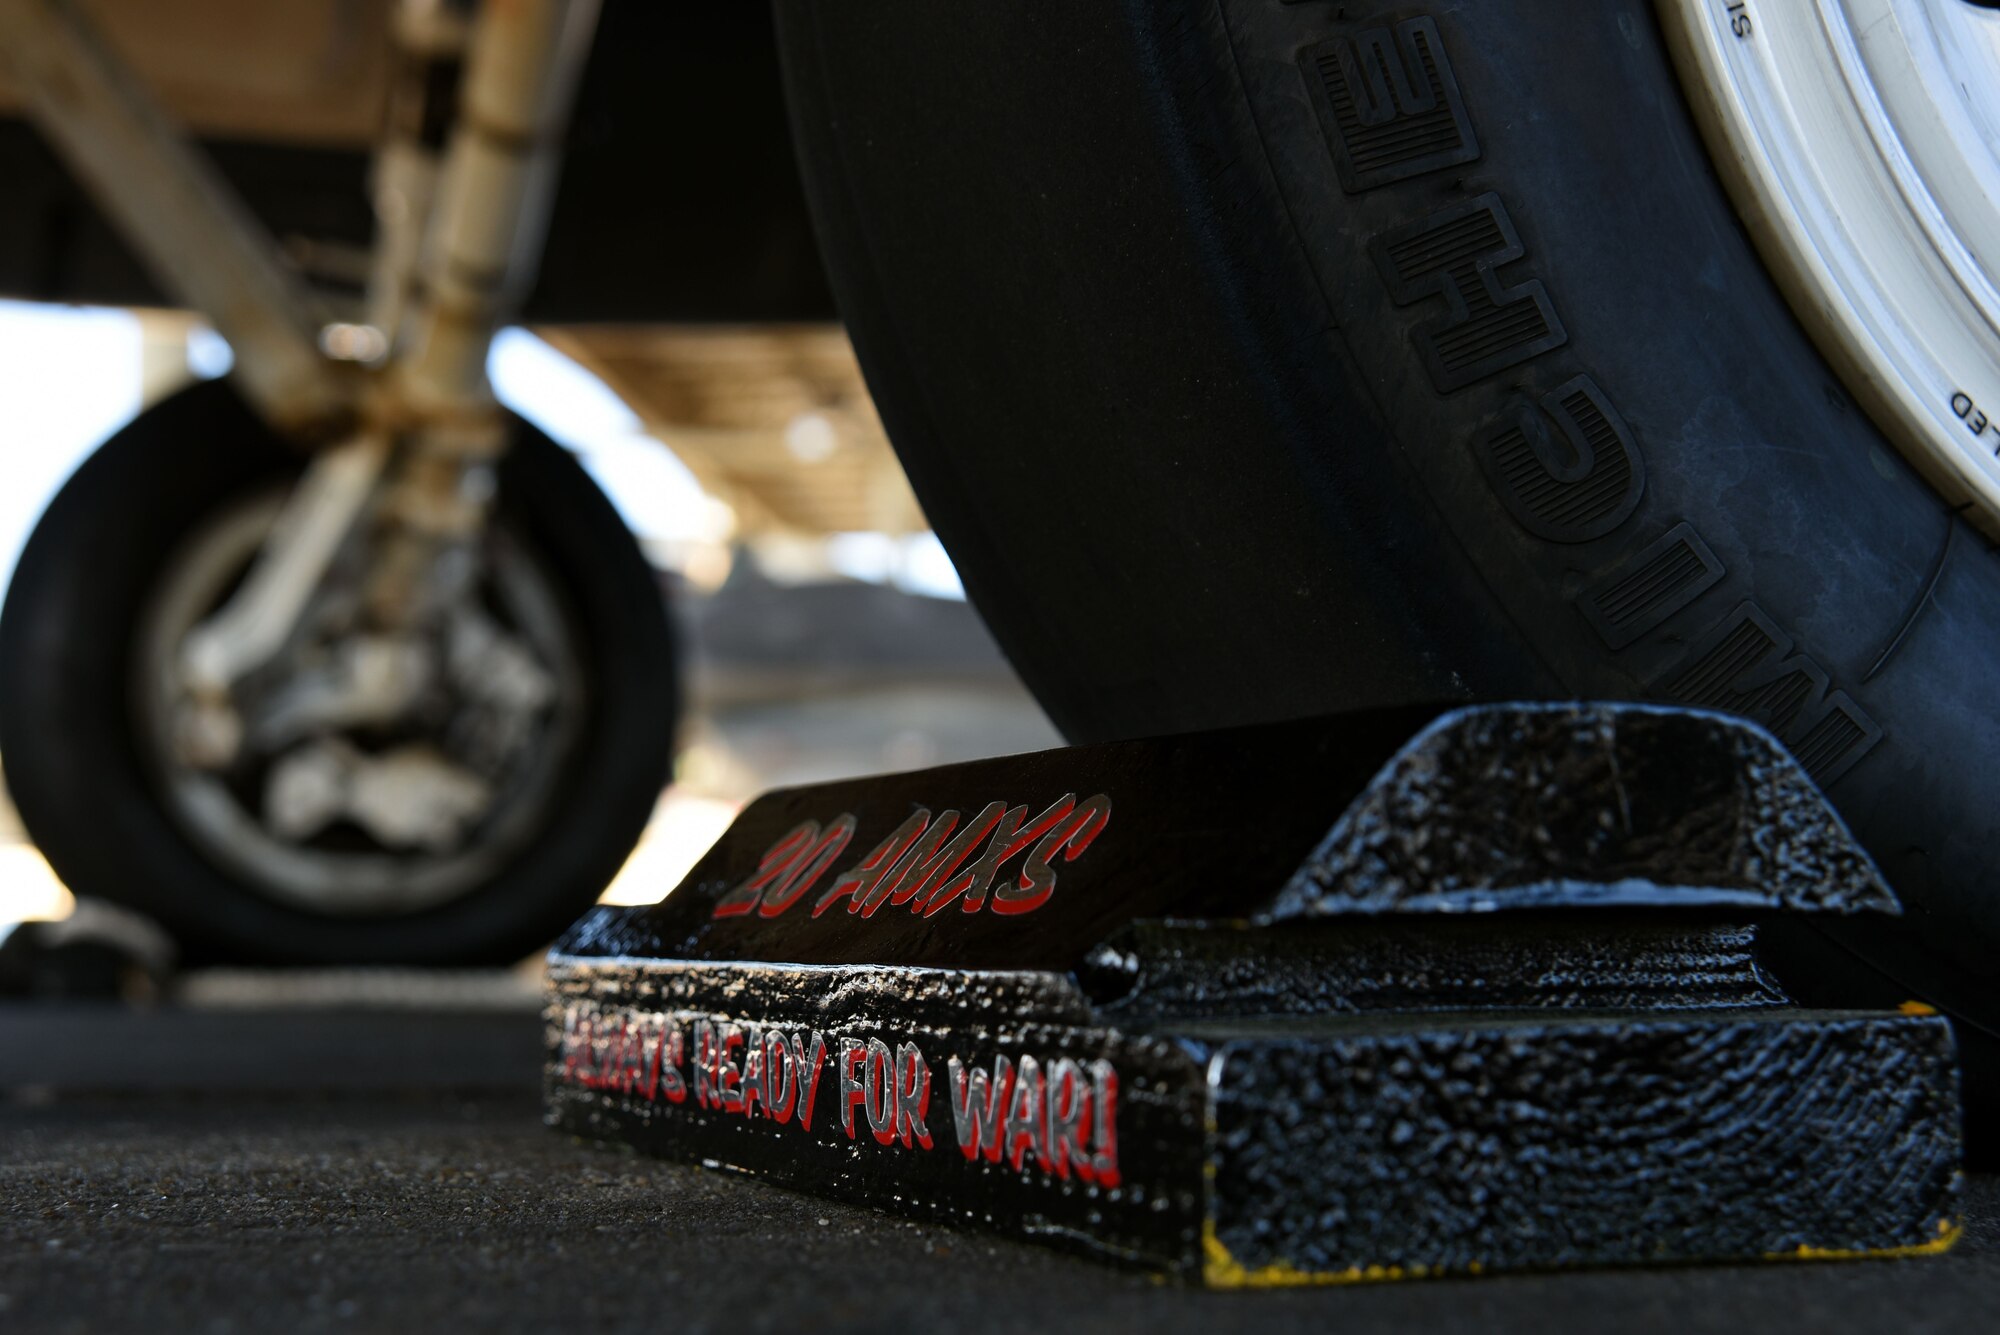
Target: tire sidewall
[[1266, 498]]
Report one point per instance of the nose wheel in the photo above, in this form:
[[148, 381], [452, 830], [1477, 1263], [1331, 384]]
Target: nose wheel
[[451, 783]]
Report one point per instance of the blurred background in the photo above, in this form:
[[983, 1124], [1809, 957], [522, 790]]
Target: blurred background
[[678, 336], [825, 630]]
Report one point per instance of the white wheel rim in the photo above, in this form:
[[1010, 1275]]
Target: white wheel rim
[[348, 884], [1860, 140]]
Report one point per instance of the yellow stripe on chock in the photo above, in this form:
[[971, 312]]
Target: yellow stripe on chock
[[1949, 1231]]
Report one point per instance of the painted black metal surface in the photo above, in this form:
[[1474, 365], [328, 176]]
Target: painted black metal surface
[[1029, 861], [1215, 1005], [1458, 1148], [1156, 971], [1257, 1149], [977, 1098], [1592, 805], [1042, 854]]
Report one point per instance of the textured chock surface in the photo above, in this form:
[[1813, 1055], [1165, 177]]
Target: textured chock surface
[[1440, 1150], [1266, 1147], [1117, 1027], [1028, 862], [1156, 971], [1017, 862], [985, 1099], [1523, 805]]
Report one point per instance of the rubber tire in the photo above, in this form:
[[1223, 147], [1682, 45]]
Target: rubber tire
[[1138, 348], [67, 731]]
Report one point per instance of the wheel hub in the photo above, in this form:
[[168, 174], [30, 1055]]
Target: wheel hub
[[365, 769]]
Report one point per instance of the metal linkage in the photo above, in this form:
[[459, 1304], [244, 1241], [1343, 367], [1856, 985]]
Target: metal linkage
[[489, 202], [430, 38], [254, 624], [176, 211], [492, 204], [362, 609], [459, 243]]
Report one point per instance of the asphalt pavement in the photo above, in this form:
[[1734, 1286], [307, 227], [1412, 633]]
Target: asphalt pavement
[[382, 1169]]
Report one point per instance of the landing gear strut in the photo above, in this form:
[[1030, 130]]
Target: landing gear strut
[[361, 690]]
